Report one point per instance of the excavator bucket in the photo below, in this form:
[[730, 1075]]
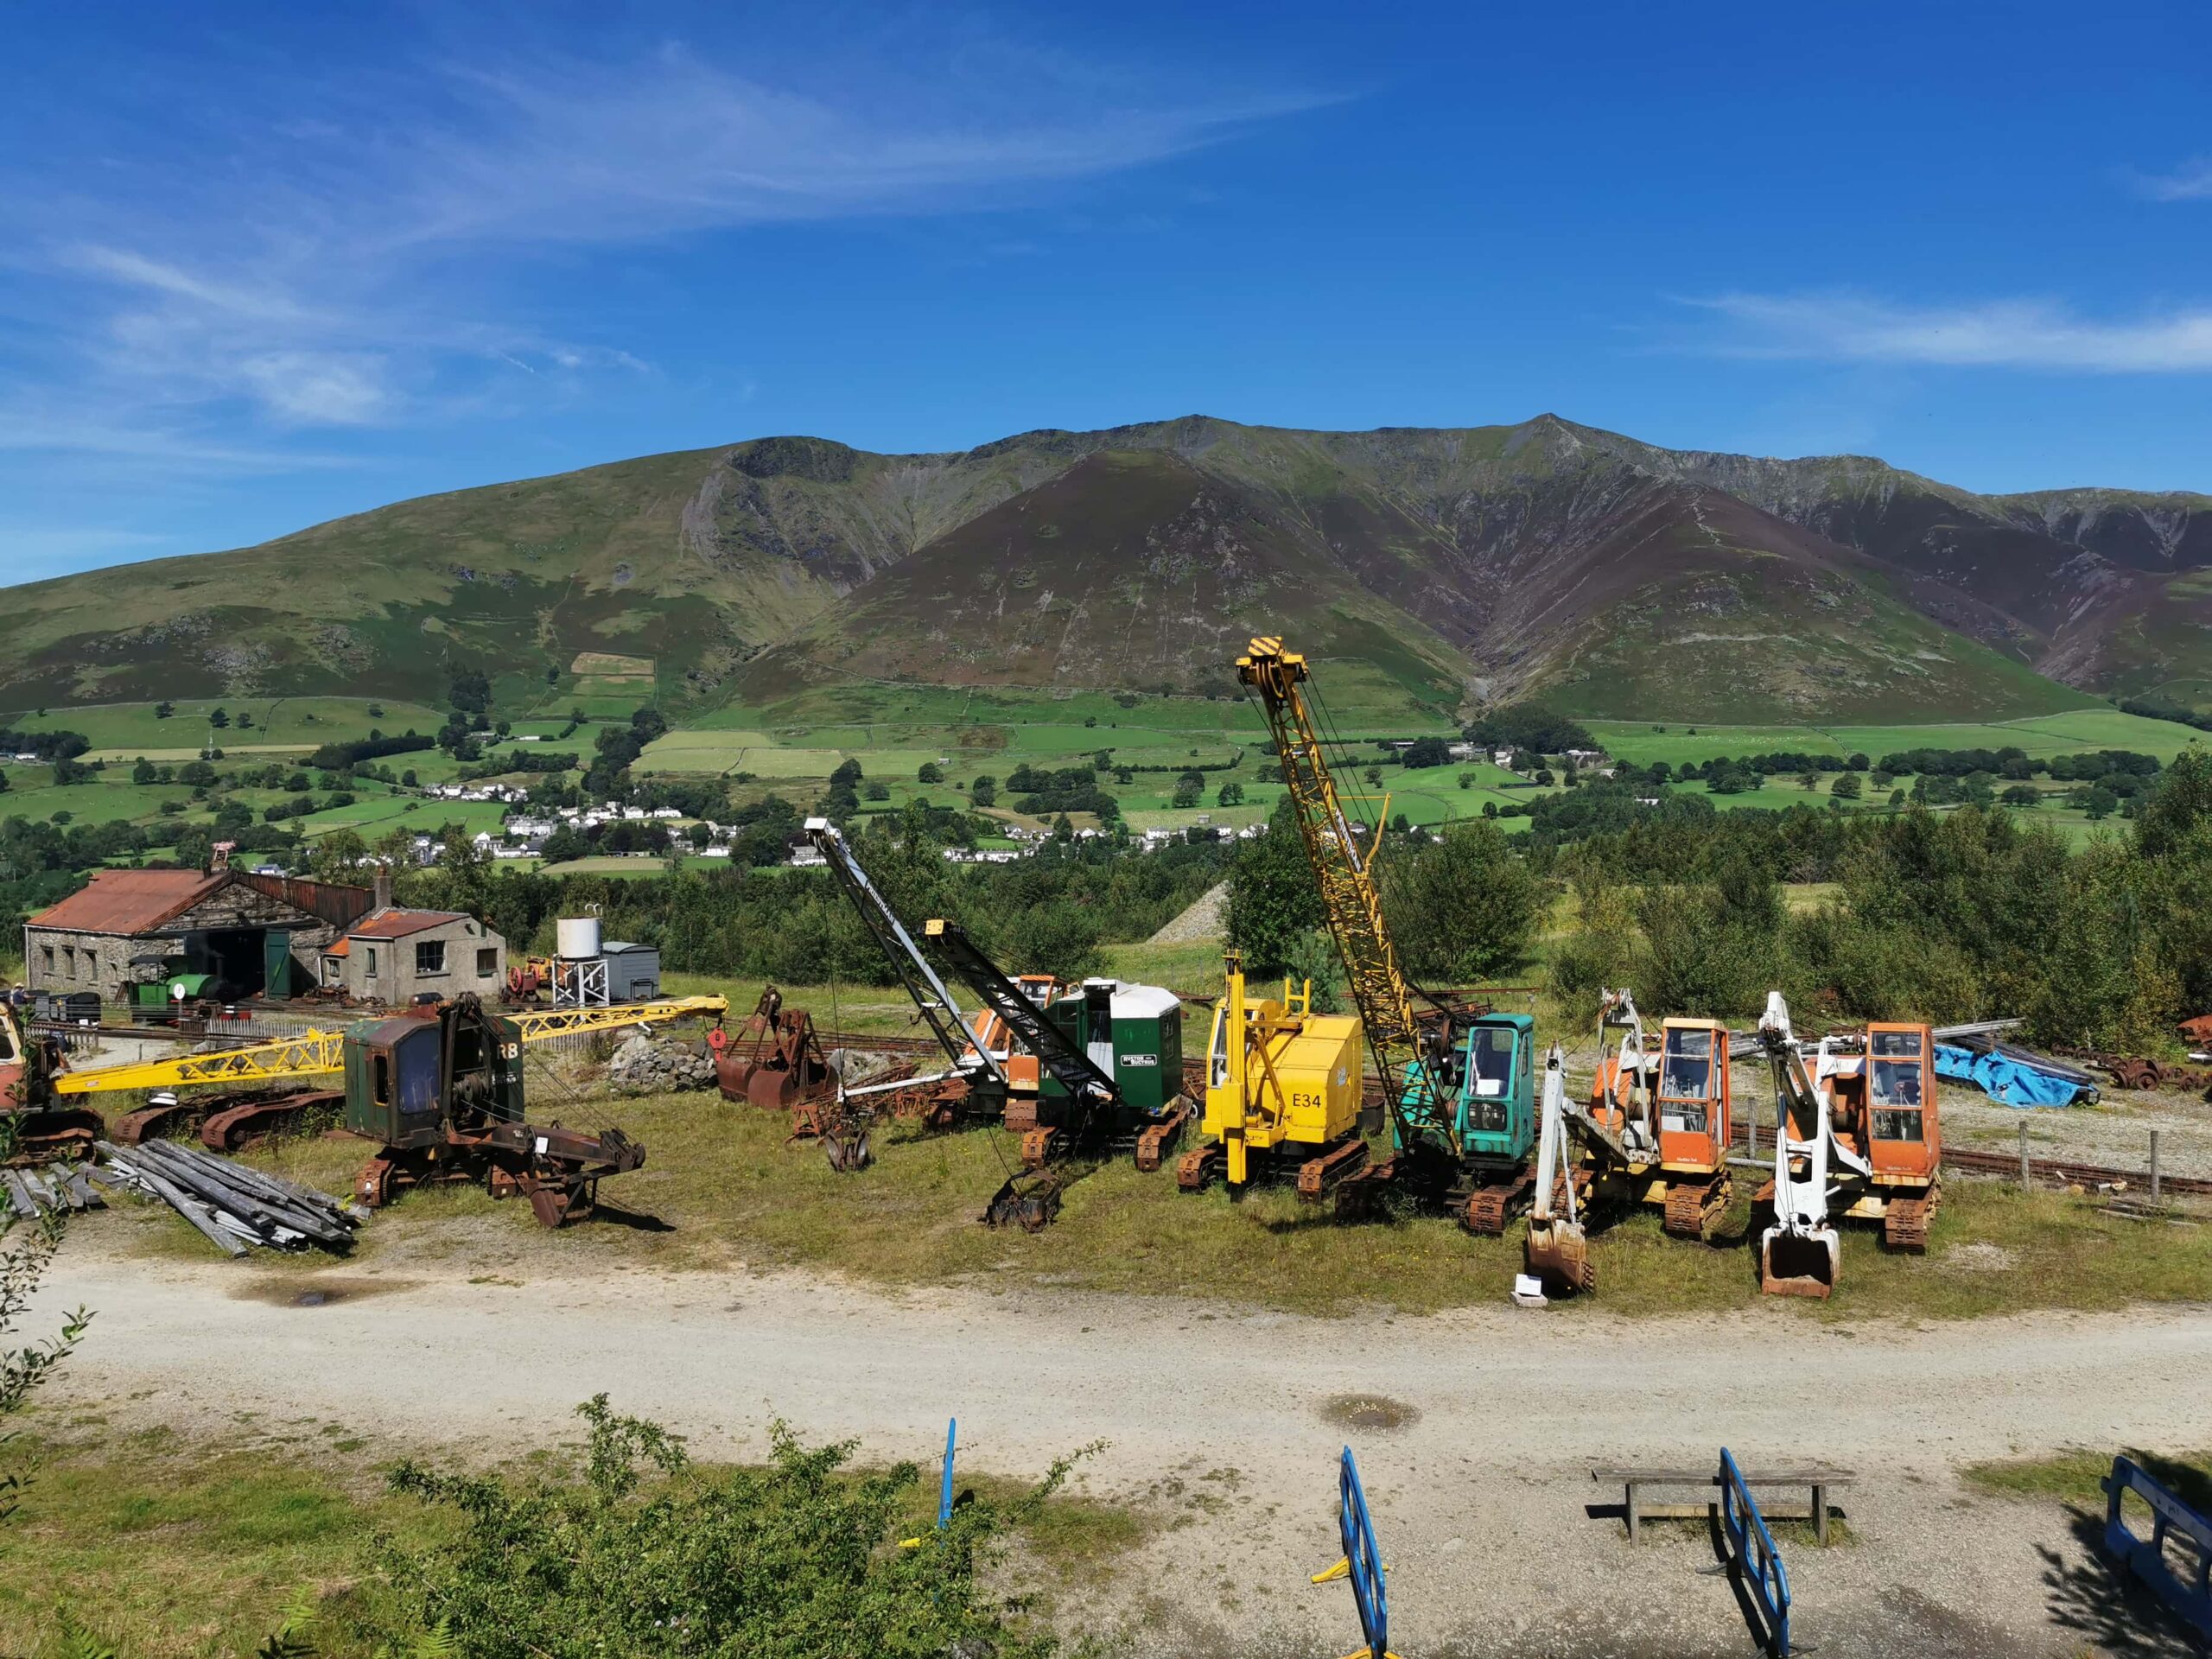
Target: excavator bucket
[[1028, 1201], [1559, 1254], [1798, 1264], [772, 1089]]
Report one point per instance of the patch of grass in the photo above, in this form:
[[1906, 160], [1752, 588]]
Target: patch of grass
[[731, 1191], [166, 1547], [2075, 1477], [162, 1546]]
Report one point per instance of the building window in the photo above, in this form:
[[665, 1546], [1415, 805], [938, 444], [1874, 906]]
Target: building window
[[69, 960], [430, 958], [333, 970], [91, 964], [487, 965], [372, 962]]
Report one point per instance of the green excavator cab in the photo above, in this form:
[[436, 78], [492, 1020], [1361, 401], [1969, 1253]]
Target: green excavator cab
[[396, 1073]]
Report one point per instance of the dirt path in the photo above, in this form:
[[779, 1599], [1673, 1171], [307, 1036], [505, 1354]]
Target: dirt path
[[1230, 1421]]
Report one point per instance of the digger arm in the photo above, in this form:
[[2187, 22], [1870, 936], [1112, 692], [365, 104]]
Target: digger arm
[[932, 999], [1551, 1138], [312, 1053]]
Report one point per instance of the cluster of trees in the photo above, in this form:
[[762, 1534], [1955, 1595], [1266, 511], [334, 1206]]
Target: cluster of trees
[[1070, 789], [1052, 911], [1970, 914], [2154, 708], [1461, 909], [1734, 774], [1537, 730], [343, 757], [46, 746], [614, 748]]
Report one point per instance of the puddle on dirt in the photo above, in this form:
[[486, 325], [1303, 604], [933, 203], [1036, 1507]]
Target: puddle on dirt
[[319, 1292], [1368, 1411]]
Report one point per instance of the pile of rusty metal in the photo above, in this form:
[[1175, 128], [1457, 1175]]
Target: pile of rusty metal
[[774, 1060], [234, 1207]]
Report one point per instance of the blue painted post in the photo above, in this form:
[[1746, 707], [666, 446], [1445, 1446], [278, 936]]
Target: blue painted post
[[944, 1491]]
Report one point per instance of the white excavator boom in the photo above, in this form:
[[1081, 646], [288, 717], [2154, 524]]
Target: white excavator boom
[[1558, 1251]]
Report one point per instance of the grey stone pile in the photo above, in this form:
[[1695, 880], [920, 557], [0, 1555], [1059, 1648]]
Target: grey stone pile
[[644, 1065]]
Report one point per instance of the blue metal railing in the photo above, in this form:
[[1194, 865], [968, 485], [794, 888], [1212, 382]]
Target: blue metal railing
[[1763, 1571], [1356, 1529], [2188, 1592]]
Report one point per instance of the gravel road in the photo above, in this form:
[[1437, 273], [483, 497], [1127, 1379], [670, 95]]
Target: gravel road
[[1227, 1424]]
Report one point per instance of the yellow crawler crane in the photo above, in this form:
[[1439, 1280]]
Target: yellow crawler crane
[[1282, 1086], [1416, 1063]]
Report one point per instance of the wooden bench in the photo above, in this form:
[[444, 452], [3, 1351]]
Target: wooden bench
[[1817, 1483]]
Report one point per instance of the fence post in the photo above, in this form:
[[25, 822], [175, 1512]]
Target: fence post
[[2154, 1166], [2025, 1180]]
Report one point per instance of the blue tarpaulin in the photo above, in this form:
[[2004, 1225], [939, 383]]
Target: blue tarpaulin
[[2013, 1082]]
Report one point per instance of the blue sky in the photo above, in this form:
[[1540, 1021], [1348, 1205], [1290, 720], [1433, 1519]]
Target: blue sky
[[262, 266]]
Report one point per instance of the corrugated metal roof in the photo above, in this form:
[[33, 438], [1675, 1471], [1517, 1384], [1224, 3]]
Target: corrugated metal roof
[[340, 904], [130, 901], [338, 948], [397, 924]]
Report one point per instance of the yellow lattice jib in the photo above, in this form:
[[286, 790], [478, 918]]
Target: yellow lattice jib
[[1342, 867]]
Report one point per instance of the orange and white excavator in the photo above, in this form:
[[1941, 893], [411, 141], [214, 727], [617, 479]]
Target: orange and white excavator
[[1856, 1135], [1655, 1131], [1670, 1113]]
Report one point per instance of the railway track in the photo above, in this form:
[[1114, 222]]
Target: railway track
[[2059, 1171]]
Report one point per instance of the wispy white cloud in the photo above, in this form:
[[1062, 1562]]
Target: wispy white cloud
[[579, 153], [2192, 181], [1999, 333], [30, 434], [342, 267]]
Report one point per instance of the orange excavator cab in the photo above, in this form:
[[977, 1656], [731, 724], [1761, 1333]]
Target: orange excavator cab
[[1903, 1139], [1694, 1110], [1694, 1103]]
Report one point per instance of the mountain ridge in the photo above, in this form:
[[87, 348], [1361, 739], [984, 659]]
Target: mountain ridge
[[1465, 565]]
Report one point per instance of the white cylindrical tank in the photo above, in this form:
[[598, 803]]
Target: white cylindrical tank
[[578, 937]]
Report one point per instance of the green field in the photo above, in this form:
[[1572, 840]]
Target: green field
[[2039, 735], [892, 731], [133, 729]]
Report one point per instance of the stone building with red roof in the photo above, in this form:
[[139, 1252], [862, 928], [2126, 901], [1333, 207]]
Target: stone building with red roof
[[258, 936], [393, 956], [255, 935]]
